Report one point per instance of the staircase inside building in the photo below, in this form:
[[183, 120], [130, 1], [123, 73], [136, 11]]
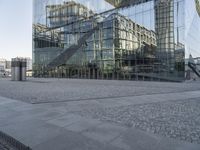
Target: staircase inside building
[[69, 52]]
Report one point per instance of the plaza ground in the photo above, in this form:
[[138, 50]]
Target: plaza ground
[[60, 114]]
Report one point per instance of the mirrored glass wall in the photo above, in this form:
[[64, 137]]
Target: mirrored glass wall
[[115, 39]]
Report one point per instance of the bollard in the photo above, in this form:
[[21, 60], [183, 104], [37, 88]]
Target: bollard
[[13, 69], [18, 69], [23, 69]]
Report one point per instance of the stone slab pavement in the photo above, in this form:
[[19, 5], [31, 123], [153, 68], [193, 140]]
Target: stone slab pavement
[[115, 123], [59, 127]]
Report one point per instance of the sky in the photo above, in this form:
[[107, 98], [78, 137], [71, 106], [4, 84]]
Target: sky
[[15, 28]]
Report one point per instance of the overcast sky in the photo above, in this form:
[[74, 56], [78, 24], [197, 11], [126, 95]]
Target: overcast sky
[[15, 28]]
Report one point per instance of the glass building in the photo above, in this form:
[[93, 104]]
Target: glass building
[[116, 39]]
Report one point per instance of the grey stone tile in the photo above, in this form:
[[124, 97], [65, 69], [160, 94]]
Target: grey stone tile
[[133, 139], [65, 120], [83, 125], [33, 132], [139, 140], [104, 133], [73, 141]]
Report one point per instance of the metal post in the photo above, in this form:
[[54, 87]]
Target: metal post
[[23, 69]]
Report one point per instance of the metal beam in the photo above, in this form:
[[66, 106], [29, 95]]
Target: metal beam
[[69, 52], [126, 3], [198, 6]]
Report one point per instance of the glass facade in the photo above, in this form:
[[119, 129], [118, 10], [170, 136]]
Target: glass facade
[[115, 39]]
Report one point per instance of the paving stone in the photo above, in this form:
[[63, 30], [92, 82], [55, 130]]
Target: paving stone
[[104, 133], [175, 119], [65, 120], [33, 132], [83, 125], [41, 91], [101, 115], [73, 141]]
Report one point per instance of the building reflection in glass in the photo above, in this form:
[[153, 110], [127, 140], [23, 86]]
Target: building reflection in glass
[[109, 39]]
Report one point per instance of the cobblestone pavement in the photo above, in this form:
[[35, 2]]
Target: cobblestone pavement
[[93, 113], [178, 119], [41, 91]]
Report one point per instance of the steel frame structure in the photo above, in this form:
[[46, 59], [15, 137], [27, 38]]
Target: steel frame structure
[[164, 24]]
